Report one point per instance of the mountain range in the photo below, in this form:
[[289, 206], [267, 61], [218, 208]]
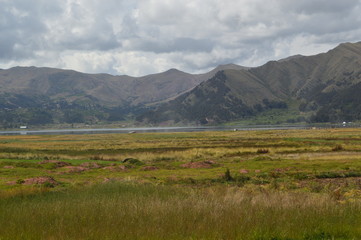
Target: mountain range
[[319, 88], [325, 87]]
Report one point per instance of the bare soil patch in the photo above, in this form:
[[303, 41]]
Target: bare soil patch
[[203, 164]]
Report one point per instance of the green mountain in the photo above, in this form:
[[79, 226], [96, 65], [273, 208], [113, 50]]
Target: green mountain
[[320, 88], [30, 95], [325, 86]]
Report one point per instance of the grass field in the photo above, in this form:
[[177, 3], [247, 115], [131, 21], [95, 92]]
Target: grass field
[[279, 184]]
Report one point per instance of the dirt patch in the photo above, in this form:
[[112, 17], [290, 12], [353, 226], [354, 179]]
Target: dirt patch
[[8, 167], [58, 164], [149, 168], [74, 169], [203, 164], [91, 165], [40, 180]]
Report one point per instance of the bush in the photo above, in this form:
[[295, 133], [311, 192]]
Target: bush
[[97, 157], [300, 176], [352, 174], [227, 175], [241, 180], [262, 158], [133, 161], [262, 151], [337, 148], [329, 175], [49, 185], [20, 181]]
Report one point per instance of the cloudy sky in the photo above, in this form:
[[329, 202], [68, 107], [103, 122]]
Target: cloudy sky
[[139, 37]]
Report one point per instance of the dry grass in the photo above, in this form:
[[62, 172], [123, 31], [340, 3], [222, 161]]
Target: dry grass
[[119, 211], [300, 189]]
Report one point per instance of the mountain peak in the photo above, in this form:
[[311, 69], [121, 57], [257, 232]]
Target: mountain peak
[[290, 58], [351, 47], [230, 66], [173, 70]]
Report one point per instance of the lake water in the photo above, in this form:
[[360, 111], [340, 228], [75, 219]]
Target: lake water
[[151, 129]]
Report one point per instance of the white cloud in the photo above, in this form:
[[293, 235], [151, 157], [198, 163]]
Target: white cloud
[[148, 36]]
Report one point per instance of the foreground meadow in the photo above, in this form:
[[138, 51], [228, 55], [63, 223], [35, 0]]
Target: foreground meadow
[[279, 184]]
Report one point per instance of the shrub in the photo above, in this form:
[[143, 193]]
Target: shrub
[[20, 181], [262, 158], [49, 185], [262, 150], [337, 148], [133, 161], [241, 179], [227, 175], [161, 159], [352, 174], [97, 157], [300, 176], [329, 175]]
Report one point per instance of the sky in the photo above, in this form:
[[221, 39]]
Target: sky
[[140, 37]]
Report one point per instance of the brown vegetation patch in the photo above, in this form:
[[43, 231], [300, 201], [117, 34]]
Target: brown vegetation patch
[[74, 169], [203, 164], [283, 170], [149, 168], [332, 183], [340, 181], [40, 180], [58, 164], [8, 167], [90, 165]]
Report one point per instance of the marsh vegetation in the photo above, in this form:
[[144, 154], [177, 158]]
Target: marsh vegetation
[[279, 184]]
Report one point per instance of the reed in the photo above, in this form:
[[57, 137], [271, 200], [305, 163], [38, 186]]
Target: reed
[[129, 211]]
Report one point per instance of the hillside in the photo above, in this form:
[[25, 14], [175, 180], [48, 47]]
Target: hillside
[[326, 85], [319, 88], [31, 95]]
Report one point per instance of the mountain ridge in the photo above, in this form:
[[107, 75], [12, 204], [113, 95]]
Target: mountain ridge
[[32, 93], [311, 81], [321, 87]]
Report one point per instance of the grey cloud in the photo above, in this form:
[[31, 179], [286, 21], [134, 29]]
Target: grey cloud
[[23, 27], [21, 31], [173, 45], [122, 34], [310, 7]]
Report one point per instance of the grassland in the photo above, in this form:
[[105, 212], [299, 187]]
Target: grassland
[[279, 184]]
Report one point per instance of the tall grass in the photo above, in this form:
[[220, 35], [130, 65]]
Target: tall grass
[[123, 211]]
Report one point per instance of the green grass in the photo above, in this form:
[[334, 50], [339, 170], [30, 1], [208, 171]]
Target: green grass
[[281, 184], [128, 211]]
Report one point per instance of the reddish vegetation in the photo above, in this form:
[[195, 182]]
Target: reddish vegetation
[[74, 169], [8, 167], [90, 165], [282, 170], [243, 171], [58, 164], [40, 180], [149, 168], [203, 164]]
